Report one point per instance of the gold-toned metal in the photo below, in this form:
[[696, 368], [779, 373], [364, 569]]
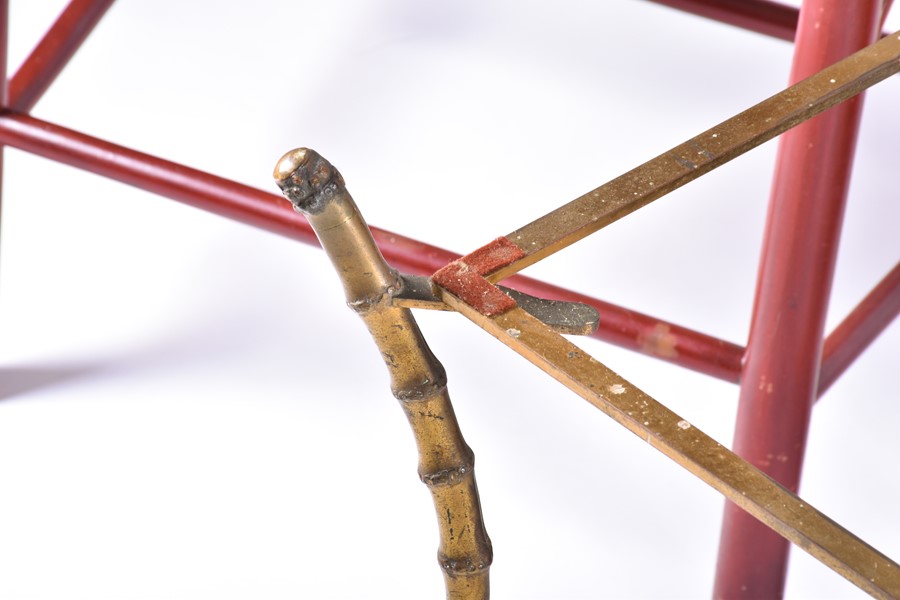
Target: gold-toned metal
[[677, 438], [382, 298], [446, 463], [703, 153], [570, 318]]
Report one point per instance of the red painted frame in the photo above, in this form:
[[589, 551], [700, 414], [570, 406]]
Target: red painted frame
[[797, 373]]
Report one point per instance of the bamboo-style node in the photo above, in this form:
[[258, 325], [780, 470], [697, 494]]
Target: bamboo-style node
[[446, 463], [428, 388], [448, 476]]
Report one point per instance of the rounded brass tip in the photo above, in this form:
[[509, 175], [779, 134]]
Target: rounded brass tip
[[290, 162]]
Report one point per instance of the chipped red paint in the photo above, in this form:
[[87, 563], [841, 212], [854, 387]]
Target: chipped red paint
[[468, 285], [494, 256], [464, 277]]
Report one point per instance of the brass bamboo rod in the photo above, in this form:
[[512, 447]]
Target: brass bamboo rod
[[418, 380], [703, 153], [677, 438]]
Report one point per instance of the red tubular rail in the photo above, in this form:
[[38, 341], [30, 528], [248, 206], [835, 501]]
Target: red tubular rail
[[796, 270], [860, 328], [4, 84], [761, 16], [271, 212], [635, 331], [53, 52], [4, 36]]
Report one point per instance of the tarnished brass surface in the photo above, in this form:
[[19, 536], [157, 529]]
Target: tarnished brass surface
[[381, 296], [677, 438], [446, 463], [571, 318], [703, 153]]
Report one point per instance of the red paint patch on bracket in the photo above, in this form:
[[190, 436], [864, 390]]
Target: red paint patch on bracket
[[464, 277]]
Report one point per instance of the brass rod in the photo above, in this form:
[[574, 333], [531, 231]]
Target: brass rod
[[418, 380], [571, 318], [703, 153], [677, 438]]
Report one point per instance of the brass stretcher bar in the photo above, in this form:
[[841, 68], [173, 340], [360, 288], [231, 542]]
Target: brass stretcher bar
[[465, 286], [531, 327], [703, 153]]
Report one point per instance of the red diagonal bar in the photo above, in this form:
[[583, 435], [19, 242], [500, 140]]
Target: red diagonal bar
[[761, 16], [778, 386], [4, 58], [647, 335], [53, 52], [271, 212], [4, 84], [860, 328]]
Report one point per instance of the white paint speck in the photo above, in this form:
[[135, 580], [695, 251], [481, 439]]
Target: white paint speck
[[716, 135], [513, 332], [832, 80], [617, 388], [683, 424]]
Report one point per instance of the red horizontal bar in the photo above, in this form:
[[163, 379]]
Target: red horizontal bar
[[54, 51], [761, 16], [647, 335], [273, 213], [4, 38], [860, 328]]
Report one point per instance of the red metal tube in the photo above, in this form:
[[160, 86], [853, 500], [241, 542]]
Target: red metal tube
[[271, 212], [190, 186], [4, 58], [796, 270], [53, 52], [761, 16], [4, 83], [860, 328], [647, 335]]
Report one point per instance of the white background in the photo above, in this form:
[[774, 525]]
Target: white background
[[187, 408]]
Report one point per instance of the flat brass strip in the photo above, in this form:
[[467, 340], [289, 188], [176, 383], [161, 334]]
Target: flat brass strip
[[681, 441], [570, 318], [699, 155]]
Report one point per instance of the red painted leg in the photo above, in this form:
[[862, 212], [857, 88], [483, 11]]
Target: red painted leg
[[796, 270], [53, 52]]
